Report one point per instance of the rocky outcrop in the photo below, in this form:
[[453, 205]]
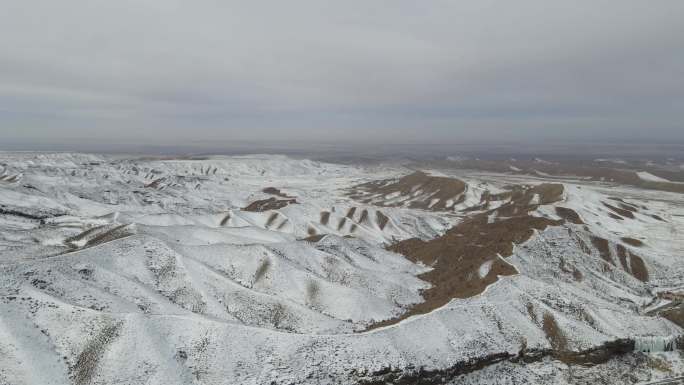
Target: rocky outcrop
[[410, 375]]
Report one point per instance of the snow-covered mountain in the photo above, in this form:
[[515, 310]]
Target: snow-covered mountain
[[266, 269]]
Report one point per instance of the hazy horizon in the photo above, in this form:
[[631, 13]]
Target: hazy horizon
[[92, 75]]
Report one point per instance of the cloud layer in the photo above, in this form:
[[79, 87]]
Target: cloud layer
[[166, 71]]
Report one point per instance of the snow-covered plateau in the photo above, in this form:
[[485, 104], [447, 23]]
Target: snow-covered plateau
[[266, 269]]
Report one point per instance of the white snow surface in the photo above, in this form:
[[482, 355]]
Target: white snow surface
[[647, 176], [147, 271]]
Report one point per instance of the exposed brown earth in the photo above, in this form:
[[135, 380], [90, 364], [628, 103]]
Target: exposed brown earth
[[113, 234], [382, 219], [314, 238], [83, 370], [325, 217], [99, 235], [638, 267], [422, 376], [622, 255], [622, 212], [341, 223], [275, 191], [625, 205], [569, 215], [269, 204], [271, 219], [632, 263], [632, 241], [471, 255], [364, 216], [351, 212], [458, 256], [488, 196], [554, 333], [522, 198], [573, 169], [38, 215], [675, 314], [84, 235], [155, 183], [225, 220], [548, 192], [603, 248], [628, 206], [419, 190], [282, 224]]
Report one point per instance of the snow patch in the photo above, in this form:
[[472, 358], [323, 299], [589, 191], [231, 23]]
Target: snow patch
[[647, 176], [484, 269]]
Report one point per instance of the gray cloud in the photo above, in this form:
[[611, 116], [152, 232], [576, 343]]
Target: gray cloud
[[164, 70]]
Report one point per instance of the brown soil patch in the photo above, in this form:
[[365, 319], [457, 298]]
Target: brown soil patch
[[488, 196], [382, 219], [635, 265], [675, 314], [275, 191], [350, 213], [577, 275], [625, 205], [85, 368], [225, 220], [628, 206], [364, 217], [271, 219], [113, 234], [481, 207], [420, 188], [587, 169], [638, 267], [603, 248], [458, 255], [619, 211], [530, 312], [269, 204], [632, 241], [325, 217], [522, 197], [569, 215], [548, 192], [554, 333], [314, 238], [99, 235], [82, 236], [656, 217], [155, 183], [622, 255], [341, 223]]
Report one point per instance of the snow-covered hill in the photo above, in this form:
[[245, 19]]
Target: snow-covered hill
[[266, 269]]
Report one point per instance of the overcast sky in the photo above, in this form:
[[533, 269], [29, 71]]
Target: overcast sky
[[167, 71]]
